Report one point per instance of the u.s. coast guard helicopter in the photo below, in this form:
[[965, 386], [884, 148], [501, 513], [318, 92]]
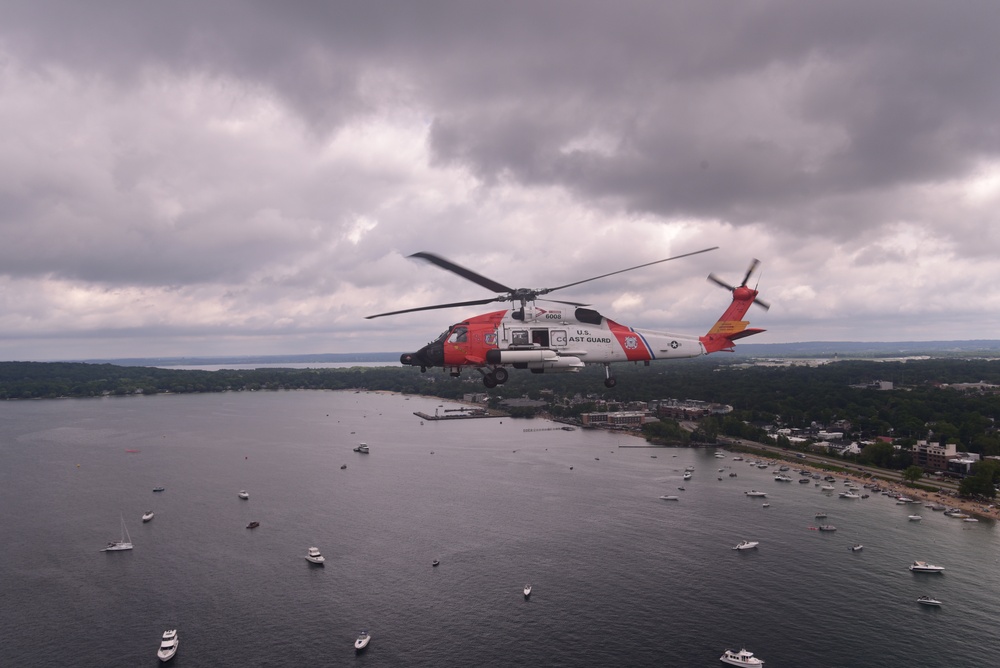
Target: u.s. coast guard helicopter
[[561, 339]]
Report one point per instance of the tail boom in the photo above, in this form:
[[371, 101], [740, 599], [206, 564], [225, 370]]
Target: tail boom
[[731, 326]]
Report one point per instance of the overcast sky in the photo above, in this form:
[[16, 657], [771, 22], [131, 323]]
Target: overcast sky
[[188, 178]]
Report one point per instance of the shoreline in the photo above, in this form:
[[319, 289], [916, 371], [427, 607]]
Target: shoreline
[[971, 507]]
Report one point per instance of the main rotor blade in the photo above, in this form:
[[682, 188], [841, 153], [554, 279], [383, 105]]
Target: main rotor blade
[[475, 302], [467, 274], [622, 271], [556, 301]]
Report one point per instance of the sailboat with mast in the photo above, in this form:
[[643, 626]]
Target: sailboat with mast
[[124, 544]]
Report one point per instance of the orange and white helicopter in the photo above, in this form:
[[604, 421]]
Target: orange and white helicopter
[[560, 339]]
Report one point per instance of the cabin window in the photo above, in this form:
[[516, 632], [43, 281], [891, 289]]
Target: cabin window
[[540, 337], [557, 337], [519, 337], [458, 335]]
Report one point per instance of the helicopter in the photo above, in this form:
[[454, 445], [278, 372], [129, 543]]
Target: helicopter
[[568, 336]]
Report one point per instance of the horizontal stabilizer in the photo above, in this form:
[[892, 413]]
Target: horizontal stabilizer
[[715, 342]]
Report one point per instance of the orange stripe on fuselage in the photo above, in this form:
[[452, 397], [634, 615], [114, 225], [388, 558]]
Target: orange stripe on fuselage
[[631, 342]]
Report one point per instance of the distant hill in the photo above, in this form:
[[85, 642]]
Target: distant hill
[[844, 349], [315, 358], [855, 349]]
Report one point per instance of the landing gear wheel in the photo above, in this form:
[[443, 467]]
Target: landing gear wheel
[[489, 381], [500, 375], [610, 382]]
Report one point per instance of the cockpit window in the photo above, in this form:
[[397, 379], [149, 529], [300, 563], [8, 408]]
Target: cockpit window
[[458, 335]]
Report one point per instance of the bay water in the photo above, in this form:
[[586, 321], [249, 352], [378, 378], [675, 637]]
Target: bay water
[[619, 576]]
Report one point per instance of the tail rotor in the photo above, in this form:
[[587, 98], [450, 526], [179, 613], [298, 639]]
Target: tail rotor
[[746, 277]]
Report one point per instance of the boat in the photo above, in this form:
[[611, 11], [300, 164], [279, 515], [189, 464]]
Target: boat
[[687, 476], [857, 548], [363, 639], [669, 497], [820, 515], [970, 519], [765, 505], [527, 590], [344, 466], [314, 557], [740, 658], [435, 562], [168, 645], [754, 492], [243, 494], [747, 545], [158, 489], [927, 600], [362, 448], [732, 475], [849, 495], [826, 527], [827, 488], [125, 543], [148, 515], [914, 518], [253, 525], [924, 567]]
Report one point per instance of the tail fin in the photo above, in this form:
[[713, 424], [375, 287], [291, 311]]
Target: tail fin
[[731, 325]]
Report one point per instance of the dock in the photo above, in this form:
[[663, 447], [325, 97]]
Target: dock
[[472, 414]]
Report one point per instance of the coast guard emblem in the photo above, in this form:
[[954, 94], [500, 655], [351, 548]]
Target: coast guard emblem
[[490, 339], [631, 343]]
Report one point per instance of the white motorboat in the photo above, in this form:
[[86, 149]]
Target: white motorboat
[[828, 488], [362, 448], [740, 658], [687, 476], [148, 515], [765, 505], [914, 518], [527, 590], [820, 515], [747, 545], [243, 494], [168, 645], [857, 548], [827, 527], [754, 492], [124, 543], [314, 557], [924, 567], [363, 639], [927, 600], [849, 495], [670, 497]]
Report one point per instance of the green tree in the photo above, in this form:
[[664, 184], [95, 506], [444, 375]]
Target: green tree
[[913, 473]]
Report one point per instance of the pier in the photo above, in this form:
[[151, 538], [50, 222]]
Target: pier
[[472, 414]]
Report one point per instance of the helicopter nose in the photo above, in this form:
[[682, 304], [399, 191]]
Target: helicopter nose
[[406, 358]]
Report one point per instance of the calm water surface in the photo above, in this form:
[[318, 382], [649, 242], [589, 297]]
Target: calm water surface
[[619, 577]]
